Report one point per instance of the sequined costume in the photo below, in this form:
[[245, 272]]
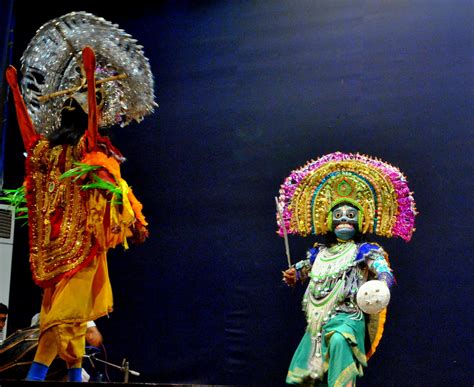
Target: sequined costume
[[335, 275], [330, 196], [79, 206]]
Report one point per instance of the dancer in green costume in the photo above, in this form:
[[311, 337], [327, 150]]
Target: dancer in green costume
[[342, 196]]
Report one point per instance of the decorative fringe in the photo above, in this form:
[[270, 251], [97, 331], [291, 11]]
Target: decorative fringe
[[316, 362], [124, 208], [319, 312]]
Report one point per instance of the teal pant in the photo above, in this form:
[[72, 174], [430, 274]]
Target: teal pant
[[342, 349]]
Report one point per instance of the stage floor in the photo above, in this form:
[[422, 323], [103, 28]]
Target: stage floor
[[23, 383]]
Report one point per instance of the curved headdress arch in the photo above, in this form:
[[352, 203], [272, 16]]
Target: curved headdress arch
[[53, 71], [378, 189]]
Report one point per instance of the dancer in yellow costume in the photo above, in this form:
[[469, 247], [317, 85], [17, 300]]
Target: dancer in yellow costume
[[78, 204]]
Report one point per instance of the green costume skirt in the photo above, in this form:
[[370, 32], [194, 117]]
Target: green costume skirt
[[342, 349]]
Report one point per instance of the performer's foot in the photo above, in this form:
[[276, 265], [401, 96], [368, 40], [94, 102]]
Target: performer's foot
[[74, 375], [37, 371]]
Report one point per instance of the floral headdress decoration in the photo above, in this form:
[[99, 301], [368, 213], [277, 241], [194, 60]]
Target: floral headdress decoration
[[378, 189]]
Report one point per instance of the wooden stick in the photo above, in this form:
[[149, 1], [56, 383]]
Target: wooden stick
[[45, 98]]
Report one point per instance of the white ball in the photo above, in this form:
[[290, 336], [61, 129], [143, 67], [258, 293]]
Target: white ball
[[373, 296]]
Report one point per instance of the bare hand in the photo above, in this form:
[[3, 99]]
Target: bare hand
[[289, 276], [140, 233]]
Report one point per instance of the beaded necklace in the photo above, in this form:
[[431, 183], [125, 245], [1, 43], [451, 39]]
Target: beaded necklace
[[330, 265], [324, 291]]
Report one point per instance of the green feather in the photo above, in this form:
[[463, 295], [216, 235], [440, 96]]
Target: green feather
[[17, 199], [80, 170], [83, 169]]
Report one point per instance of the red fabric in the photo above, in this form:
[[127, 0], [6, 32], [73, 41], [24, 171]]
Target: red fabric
[[28, 132], [88, 58], [56, 221], [108, 147], [57, 218]]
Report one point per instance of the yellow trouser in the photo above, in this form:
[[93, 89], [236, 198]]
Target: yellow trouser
[[64, 340], [66, 308]]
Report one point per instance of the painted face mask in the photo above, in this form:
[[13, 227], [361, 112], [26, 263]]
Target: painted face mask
[[344, 221]]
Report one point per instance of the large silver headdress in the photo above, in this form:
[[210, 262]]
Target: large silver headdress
[[52, 71]]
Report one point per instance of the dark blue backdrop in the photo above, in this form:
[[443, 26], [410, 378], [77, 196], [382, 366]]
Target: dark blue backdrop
[[249, 91], [6, 44]]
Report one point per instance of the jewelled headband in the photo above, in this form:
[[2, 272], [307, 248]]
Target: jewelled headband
[[53, 72], [378, 189]]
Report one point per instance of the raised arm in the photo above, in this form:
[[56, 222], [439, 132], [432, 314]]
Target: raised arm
[[27, 129], [88, 58]]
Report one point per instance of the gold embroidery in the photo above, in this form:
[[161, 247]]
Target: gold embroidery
[[56, 200], [347, 374]]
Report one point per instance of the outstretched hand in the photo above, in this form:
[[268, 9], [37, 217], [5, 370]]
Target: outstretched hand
[[289, 276], [139, 234]]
